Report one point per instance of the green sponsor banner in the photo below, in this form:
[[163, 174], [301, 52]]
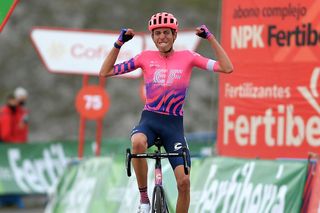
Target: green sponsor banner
[[31, 168], [239, 185], [217, 185], [101, 185], [36, 168]]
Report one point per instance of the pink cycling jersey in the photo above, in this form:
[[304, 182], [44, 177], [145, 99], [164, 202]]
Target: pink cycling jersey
[[166, 78]]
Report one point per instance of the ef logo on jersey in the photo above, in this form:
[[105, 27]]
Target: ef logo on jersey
[[166, 77]]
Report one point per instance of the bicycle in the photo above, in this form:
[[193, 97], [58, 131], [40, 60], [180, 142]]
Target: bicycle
[[159, 203]]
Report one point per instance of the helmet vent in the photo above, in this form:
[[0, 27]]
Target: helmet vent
[[163, 20]]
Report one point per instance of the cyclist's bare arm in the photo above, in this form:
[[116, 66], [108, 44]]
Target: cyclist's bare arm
[[108, 64], [224, 63]]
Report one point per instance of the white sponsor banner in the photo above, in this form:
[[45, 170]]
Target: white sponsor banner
[[186, 40], [79, 51], [83, 52]]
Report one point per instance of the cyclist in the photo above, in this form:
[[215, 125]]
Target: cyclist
[[166, 75]]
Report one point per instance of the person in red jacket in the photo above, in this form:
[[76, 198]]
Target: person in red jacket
[[8, 119], [13, 121], [12, 131], [22, 130]]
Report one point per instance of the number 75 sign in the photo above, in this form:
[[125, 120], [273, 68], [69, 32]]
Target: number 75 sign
[[92, 102]]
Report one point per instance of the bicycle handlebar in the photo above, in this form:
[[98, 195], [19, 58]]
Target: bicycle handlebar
[[157, 155]]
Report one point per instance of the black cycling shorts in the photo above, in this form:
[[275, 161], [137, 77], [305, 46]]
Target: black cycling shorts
[[169, 128]]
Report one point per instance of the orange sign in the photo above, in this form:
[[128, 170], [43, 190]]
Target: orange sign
[[92, 102], [270, 106]]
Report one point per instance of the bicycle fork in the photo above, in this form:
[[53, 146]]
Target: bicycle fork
[[159, 203]]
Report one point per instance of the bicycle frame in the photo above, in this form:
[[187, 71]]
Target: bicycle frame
[[158, 172], [157, 155]]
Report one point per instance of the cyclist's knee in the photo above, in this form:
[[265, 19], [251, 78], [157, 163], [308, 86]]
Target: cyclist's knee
[[183, 184], [139, 143]]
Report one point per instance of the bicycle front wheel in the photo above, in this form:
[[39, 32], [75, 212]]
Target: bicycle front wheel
[[159, 204]]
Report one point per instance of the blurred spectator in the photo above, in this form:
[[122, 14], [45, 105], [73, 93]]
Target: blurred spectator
[[7, 119], [13, 129], [22, 131], [14, 126]]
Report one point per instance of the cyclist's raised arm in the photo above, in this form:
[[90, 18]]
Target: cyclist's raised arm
[[108, 64], [224, 63]]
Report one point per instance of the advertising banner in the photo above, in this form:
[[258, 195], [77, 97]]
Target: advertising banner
[[269, 106], [71, 51], [36, 168], [217, 185], [80, 51], [101, 185]]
